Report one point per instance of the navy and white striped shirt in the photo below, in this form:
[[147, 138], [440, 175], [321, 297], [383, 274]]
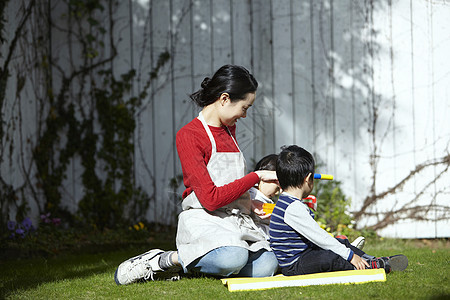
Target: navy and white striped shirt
[[289, 241]]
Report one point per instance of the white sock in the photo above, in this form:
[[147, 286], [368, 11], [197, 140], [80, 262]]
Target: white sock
[[165, 260]]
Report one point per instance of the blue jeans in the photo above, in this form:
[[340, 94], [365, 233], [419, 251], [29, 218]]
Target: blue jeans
[[231, 260]]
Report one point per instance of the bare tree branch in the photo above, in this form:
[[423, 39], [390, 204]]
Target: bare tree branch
[[370, 200]]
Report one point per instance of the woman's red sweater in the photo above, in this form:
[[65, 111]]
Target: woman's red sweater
[[194, 149]]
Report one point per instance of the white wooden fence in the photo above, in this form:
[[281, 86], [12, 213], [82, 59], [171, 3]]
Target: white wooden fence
[[364, 85]]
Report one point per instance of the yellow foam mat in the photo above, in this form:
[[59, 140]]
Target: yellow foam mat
[[340, 277]]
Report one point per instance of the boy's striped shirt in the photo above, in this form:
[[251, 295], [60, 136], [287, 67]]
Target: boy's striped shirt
[[286, 243]]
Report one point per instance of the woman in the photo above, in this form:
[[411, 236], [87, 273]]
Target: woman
[[216, 234]]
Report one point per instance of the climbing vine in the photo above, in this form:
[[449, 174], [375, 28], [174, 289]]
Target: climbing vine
[[8, 195], [86, 116]]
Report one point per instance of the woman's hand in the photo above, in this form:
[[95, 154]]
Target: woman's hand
[[358, 262], [267, 176], [257, 208]]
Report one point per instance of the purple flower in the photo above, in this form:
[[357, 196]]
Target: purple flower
[[27, 224], [20, 231], [46, 218], [11, 225], [56, 221]]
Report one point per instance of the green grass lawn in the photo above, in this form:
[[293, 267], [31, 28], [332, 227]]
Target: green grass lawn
[[91, 276]]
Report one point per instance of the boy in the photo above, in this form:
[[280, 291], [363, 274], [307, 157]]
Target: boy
[[264, 192], [301, 246]]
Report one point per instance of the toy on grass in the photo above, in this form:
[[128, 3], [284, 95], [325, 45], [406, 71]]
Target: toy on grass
[[278, 281]]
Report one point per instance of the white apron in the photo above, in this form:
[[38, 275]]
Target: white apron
[[200, 231]]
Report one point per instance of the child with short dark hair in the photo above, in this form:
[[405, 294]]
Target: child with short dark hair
[[299, 243], [264, 192], [267, 190]]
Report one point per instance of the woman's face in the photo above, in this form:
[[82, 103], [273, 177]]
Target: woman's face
[[233, 111]]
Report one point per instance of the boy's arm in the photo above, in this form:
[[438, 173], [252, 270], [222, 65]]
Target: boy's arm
[[297, 216]]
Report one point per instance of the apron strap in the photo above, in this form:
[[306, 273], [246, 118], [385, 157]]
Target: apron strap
[[208, 131], [211, 138]]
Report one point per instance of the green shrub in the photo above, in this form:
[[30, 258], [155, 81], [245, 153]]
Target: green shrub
[[333, 213]]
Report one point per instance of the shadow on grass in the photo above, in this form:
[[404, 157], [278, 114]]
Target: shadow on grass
[[25, 274], [21, 274]]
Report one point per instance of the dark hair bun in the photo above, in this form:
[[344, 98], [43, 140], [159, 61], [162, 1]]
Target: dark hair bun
[[231, 79], [205, 82]]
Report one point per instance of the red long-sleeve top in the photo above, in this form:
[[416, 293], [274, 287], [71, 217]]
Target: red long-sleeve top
[[194, 149]]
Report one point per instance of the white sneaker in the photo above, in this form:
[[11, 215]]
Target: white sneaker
[[359, 242], [139, 267]]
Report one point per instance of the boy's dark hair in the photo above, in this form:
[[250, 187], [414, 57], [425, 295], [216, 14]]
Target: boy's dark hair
[[293, 165], [268, 163]]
